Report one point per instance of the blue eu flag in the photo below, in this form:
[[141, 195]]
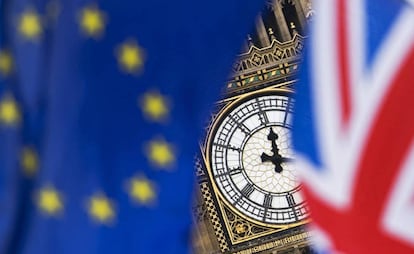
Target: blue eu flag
[[101, 106]]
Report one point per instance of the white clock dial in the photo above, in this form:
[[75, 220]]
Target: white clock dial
[[262, 174], [251, 160]]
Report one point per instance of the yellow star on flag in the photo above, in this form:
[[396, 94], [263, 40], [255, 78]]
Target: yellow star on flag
[[29, 161], [49, 201], [101, 209], [29, 25], [92, 21], [154, 106], [9, 111], [6, 63], [142, 190], [130, 57], [161, 154]]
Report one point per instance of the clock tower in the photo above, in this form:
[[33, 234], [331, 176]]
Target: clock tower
[[249, 199]]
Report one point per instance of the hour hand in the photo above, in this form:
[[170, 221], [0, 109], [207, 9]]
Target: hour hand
[[266, 157], [273, 159]]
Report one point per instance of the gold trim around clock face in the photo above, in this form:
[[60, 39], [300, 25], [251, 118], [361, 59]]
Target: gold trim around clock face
[[221, 115]]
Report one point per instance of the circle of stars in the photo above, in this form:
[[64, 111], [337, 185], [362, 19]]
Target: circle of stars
[[155, 107]]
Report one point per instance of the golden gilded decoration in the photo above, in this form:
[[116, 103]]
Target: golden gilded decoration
[[240, 228], [266, 65], [213, 214]]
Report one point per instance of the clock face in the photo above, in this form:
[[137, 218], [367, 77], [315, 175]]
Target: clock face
[[251, 160]]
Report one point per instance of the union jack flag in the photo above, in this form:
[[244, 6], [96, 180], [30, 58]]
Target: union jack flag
[[354, 126]]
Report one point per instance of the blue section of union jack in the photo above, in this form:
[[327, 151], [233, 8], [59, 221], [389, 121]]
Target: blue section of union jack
[[354, 130]]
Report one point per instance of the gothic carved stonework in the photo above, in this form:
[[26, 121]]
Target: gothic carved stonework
[[261, 82], [232, 232], [278, 62], [241, 229], [214, 217]]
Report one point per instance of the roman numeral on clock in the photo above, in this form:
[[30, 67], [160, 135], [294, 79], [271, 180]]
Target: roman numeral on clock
[[262, 114], [247, 190], [241, 126], [267, 203], [288, 112], [228, 147], [292, 204], [290, 200], [239, 137], [235, 171]]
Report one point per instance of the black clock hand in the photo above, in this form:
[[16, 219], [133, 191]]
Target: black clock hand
[[273, 137], [275, 158], [265, 157], [285, 159]]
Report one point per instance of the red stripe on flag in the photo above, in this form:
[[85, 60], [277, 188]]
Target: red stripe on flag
[[343, 62], [358, 229], [388, 145]]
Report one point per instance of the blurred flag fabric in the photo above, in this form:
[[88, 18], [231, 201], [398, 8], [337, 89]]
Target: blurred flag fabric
[[101, 107], [354, 126]]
